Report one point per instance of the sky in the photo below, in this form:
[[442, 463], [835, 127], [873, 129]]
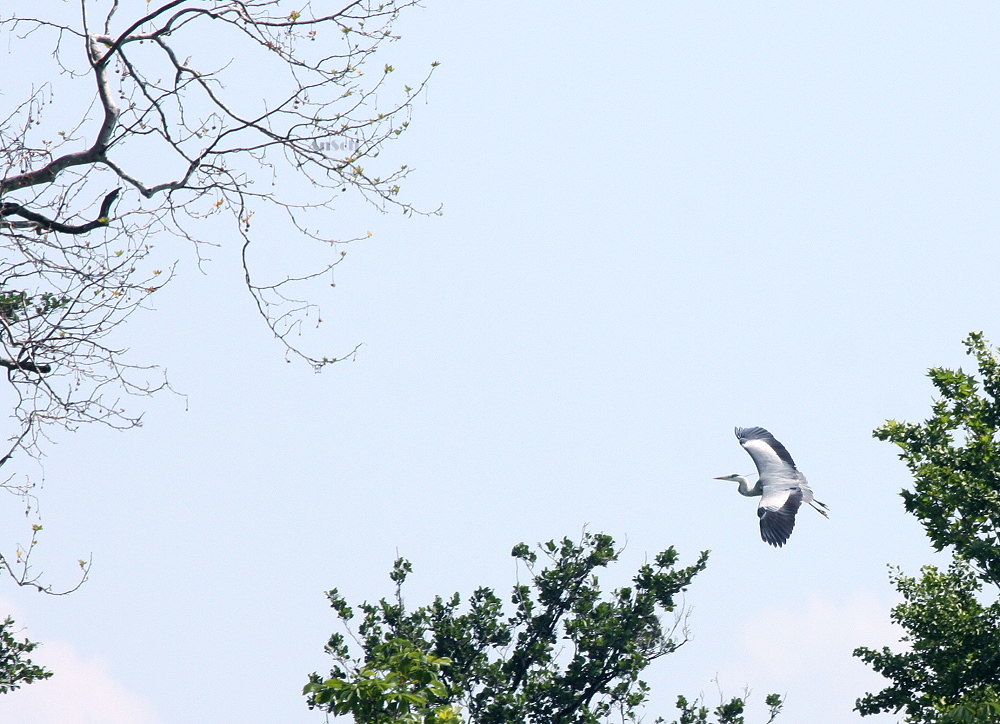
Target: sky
[[660, 222]]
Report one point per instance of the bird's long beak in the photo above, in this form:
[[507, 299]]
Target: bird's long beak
[[724, 477]]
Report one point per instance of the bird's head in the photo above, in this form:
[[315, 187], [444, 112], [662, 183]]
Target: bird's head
[[734, 478]]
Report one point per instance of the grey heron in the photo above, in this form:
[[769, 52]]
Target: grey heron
[[780, 485]]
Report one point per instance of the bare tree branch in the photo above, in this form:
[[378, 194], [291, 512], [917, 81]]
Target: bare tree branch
[[172, 126], [42, 223], [20, 569]]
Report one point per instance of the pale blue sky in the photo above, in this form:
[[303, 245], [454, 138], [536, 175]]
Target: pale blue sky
[[661, 220]]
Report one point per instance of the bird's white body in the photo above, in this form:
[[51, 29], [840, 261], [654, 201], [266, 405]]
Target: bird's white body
[[780, 485]]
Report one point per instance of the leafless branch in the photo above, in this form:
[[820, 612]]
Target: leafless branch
[[169, 133], [20, 570]]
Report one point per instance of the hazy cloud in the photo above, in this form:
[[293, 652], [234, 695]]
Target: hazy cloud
[[804, 652], [82, 691]]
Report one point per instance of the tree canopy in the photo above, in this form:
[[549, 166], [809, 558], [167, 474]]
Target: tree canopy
[[15, 668], [567, 654], [951, 617]]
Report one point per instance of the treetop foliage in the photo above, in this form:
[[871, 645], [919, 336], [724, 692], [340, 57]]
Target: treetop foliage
[[952, 670], [15, 668], [566, 654], [955, 460], [730, 712], [954, 656]]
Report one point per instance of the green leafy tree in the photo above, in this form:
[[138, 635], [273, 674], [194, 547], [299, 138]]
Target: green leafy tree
[[15, 668], [397, 684], [979, 713], [951, 618], [566, 654], [730, 712]]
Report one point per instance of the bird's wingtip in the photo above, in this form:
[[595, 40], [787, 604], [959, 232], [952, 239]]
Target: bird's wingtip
[[752, 433]]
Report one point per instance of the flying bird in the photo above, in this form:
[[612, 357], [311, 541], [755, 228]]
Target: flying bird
[[780, 485]]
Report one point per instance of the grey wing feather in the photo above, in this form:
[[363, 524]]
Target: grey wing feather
[[769, 455], [777, 511]]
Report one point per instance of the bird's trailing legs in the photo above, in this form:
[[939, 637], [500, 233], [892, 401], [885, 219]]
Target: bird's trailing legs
[[820, 508]]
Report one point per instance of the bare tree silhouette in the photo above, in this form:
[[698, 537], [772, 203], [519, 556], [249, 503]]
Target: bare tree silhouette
[[180, 111]]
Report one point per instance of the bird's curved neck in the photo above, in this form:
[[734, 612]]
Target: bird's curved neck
[[745, 488]]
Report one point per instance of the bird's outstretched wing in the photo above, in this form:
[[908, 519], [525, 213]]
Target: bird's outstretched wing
[[769, 455], [777, 511]]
